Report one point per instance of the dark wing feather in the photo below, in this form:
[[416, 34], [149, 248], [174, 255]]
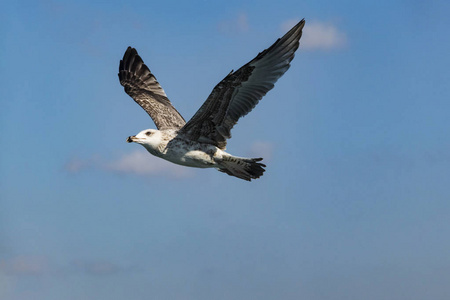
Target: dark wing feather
[[143, 87], [239, 92]]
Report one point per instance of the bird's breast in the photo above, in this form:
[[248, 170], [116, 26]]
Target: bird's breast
[[190, 153]]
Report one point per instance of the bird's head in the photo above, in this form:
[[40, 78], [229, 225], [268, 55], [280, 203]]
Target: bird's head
[[149, 137]]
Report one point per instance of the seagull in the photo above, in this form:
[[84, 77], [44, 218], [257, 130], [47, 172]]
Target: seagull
[[201, 141]]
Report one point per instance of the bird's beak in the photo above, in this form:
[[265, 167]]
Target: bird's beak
[[131, 139]]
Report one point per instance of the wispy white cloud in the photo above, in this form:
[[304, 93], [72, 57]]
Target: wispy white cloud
[[25, 265], [239, 24], [141, 163], [35, 266], [319, 35], [138, 162]]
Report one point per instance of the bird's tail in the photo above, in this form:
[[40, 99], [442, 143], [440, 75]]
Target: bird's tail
[[244, 168]]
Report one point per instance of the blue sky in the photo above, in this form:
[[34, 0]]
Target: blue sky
[[355, 200]]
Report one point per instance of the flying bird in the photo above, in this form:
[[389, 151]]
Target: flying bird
[[201, 141]]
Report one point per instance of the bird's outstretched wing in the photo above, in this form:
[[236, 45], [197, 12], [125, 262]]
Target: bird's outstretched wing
[[239, 92], [143, 87]]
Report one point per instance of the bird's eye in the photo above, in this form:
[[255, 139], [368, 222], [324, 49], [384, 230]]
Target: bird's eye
[[148, 133]]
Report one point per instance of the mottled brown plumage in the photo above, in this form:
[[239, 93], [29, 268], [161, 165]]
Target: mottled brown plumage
[[143, 87]]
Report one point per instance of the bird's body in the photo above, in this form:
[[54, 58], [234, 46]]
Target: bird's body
[[201, 142], [180, 150], [171, 146]]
